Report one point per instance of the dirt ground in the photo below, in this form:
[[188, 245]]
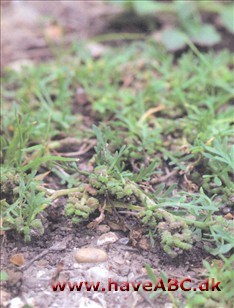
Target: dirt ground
[[125, 263], [25, 28], [25, 25]]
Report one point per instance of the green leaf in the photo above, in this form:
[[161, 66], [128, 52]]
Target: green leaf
[[217, 181], [207, 36], [3, 276], [220, 250], [146, 7], [173, 39], [227, 18], [40, 160], [150, 273], [37, 224], [146, 172]]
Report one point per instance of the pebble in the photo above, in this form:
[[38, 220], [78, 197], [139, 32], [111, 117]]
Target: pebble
[[97, 273], [107, 238], [226, 210], [119, 260], [96, 50], [103, 228], [127, 255], [16, 303], [40, 274], [90, 255], [124, 240]]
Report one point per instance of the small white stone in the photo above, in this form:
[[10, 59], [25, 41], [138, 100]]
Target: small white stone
[[97, 273], [124, 240], [127, 255], [119, 260], [97, 50], [107, 238], [16, 303], [40, 274]]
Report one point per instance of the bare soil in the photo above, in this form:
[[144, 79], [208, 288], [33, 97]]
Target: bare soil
[[32, 283]]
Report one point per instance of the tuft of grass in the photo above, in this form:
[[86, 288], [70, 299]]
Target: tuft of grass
[[160, 150], [219, 270], [156, 117], [187, 20]]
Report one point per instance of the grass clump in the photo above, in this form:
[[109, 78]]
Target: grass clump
[[162, 142]]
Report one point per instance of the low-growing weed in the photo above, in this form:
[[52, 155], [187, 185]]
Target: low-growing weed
[[157, 118]]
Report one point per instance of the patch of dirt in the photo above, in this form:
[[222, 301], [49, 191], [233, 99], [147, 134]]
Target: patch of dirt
[[125, 263], [31, 29], [133, 23]]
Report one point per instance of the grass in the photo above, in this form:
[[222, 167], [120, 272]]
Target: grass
[[160, 132], [219, 270], [186, 20]]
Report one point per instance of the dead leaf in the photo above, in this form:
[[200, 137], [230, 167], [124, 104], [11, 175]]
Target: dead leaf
[[17, 259], [11, 128], [103, 228], [144, 244], [41, 263], [92, 191], [41, 177], [53, 33], [57, 272], [93, 224], [218, 263], [115, 226], [229, 216], [189, 185], [150, 112], [135, 236], [127, 80]]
